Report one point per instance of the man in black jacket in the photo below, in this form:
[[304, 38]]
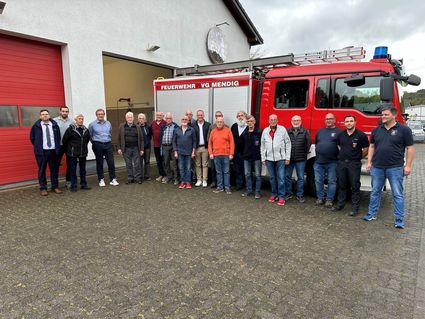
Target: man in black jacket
[[300, 146], [75, 141], [251, 154], [145, 159], [238, 129], [131, 146], [201, 128]]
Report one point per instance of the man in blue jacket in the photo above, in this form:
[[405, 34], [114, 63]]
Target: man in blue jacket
[[45, 137], [184, 143]]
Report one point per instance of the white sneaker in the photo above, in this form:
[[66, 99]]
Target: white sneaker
[[114, 182], [198, 183], [158, 179], [102, 183], [204, 184]]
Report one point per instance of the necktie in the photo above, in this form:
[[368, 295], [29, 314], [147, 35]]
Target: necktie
[[49, 142]]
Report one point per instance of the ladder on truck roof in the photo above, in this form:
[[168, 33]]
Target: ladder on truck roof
[[326, 56]]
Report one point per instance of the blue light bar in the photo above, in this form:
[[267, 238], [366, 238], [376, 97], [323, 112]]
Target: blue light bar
[[381, 53]]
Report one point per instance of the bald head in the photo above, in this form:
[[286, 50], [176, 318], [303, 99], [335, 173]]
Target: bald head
[[296, 121], [330, 120]]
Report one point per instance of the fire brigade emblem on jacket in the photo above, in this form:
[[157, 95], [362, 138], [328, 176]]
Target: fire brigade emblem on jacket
[[394, 132]]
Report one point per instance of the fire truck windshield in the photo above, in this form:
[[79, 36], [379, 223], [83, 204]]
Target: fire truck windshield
[[364, 98]]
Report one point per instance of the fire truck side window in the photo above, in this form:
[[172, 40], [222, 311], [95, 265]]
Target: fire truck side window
[[322, 93], [291, 94], [364, 98]]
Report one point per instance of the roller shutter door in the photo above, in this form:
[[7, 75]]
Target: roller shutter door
[[30, 79]]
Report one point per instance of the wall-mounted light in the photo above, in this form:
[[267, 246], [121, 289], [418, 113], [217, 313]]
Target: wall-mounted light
[[225, 22], [152, 48], [2, 5], [124, 99]]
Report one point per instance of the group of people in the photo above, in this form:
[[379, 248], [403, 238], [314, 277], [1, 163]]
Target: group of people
[[185, 153]]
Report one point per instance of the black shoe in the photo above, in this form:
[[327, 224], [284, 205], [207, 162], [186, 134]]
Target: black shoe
[[238, 188], [337, 208], [213, 185], [287, 197], [85, 187], [301, 199], [73, 189], [148, 179], [353, 213], [129, 182], [139, 182]]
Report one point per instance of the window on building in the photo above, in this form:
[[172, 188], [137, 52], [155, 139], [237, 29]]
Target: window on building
[[291, 94], [322, 93], [30, 114], [9, 116], [365, 98]]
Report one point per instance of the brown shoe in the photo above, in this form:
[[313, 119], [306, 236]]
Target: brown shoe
[[44, 192], [57, 191]]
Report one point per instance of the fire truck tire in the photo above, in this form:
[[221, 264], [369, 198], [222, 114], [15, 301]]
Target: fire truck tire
[[310, 185]]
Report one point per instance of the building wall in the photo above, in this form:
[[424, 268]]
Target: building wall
[[86, 29]]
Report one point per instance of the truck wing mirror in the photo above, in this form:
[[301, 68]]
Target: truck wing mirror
[[386, 89], [355, 80], [414, 80]]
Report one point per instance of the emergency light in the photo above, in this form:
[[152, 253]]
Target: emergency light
[[381, 53]]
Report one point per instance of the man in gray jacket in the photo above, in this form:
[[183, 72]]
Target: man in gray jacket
[[275, 154], [131, 146]]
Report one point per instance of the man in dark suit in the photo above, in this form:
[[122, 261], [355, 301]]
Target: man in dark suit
[[45, 137]]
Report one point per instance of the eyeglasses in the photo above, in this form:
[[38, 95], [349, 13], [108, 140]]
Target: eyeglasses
[[329, 119], [184, 119]]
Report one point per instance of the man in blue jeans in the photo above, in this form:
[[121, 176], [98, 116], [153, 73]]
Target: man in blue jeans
[[388, 145], [184, 143], [275, 154], [300, 146], [326, 161]]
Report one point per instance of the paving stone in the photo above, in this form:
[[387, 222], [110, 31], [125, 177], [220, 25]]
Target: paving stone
[[154, 251]]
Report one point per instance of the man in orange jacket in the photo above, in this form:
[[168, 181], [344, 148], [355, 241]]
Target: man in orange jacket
[[221, 148]]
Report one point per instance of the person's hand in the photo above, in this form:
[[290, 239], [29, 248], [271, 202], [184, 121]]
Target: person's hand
[[407, 170], [368, 167], [193, 154], [176, 155], [286, 162], [119, 152], [263, 162], [230, 157], [141, 153], [211, 156]]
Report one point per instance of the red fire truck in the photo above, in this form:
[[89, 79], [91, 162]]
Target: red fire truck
[[309, 85]]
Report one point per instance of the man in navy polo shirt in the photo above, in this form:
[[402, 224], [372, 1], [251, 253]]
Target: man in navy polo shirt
[[388, 145], [326, 161]]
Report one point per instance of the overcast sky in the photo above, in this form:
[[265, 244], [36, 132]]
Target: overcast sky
[[316, 25]]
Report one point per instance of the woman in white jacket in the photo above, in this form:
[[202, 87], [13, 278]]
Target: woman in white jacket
[[275, 154]]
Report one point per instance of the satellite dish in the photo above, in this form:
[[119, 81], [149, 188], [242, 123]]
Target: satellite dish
[[216, 45]]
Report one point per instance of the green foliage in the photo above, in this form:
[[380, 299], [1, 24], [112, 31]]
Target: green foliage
[[413, 98]]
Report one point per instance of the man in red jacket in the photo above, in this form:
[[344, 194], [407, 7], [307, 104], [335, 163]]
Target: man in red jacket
[[221, 149]]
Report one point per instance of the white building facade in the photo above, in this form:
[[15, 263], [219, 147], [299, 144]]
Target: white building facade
[[87, 35]]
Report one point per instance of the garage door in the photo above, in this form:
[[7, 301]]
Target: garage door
[[30, 79]]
